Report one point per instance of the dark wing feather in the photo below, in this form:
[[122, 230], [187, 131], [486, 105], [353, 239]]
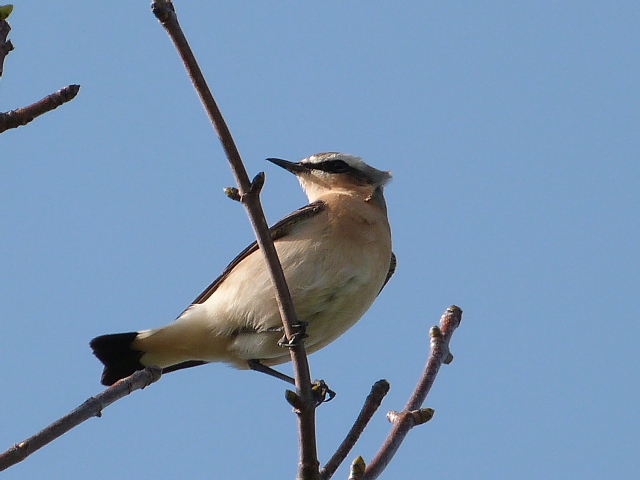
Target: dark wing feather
[[279, 230], [392, 269]]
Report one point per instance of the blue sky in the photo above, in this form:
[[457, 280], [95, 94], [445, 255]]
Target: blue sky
[[512, 131]]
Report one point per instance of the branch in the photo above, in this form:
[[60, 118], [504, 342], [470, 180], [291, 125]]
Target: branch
[[249, 197], [371, 405], [91, 408], [22, 116], [412, 415]]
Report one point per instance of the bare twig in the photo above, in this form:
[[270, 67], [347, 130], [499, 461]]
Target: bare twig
[[22, 116], [308, 466], [371, 405], [412, 415], [91, 408]]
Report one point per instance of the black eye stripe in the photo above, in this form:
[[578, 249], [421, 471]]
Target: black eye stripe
[[334, 166], [342, 167]]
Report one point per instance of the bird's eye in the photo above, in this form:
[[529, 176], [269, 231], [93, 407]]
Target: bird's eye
[[338, 166]]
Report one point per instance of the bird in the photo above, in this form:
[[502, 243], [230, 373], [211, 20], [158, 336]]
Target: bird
[[336, 257]]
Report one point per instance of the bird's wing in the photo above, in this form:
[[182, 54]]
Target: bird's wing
[[279, 230], [392, 269]]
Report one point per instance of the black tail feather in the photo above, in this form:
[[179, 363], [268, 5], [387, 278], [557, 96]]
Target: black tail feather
[[119, 358]]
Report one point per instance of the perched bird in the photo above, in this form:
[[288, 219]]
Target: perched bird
[[336, 256]]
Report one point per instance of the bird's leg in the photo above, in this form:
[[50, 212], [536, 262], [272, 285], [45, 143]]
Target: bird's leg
[[299, 335], [320, 390], [259, 367]]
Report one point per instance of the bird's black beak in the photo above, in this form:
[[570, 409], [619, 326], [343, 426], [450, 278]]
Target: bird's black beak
[[292, 167]]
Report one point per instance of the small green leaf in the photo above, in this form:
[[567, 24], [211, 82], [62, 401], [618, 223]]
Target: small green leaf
[[5, 11]]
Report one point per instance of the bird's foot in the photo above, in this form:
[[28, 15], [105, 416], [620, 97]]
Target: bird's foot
[[321, 392], [297, 337]]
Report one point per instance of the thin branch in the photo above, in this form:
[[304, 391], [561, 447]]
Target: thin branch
[[308, 466], [91, 408], [371, 405], [412, 415], [22, 116]]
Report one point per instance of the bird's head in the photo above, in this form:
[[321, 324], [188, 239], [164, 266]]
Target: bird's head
[[323, 173]]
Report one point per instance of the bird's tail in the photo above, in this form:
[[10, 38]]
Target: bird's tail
[[117, 354], [121, 357]]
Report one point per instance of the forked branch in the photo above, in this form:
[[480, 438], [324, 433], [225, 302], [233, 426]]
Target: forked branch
[[22, 116], [308, 466], [412, 414]]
